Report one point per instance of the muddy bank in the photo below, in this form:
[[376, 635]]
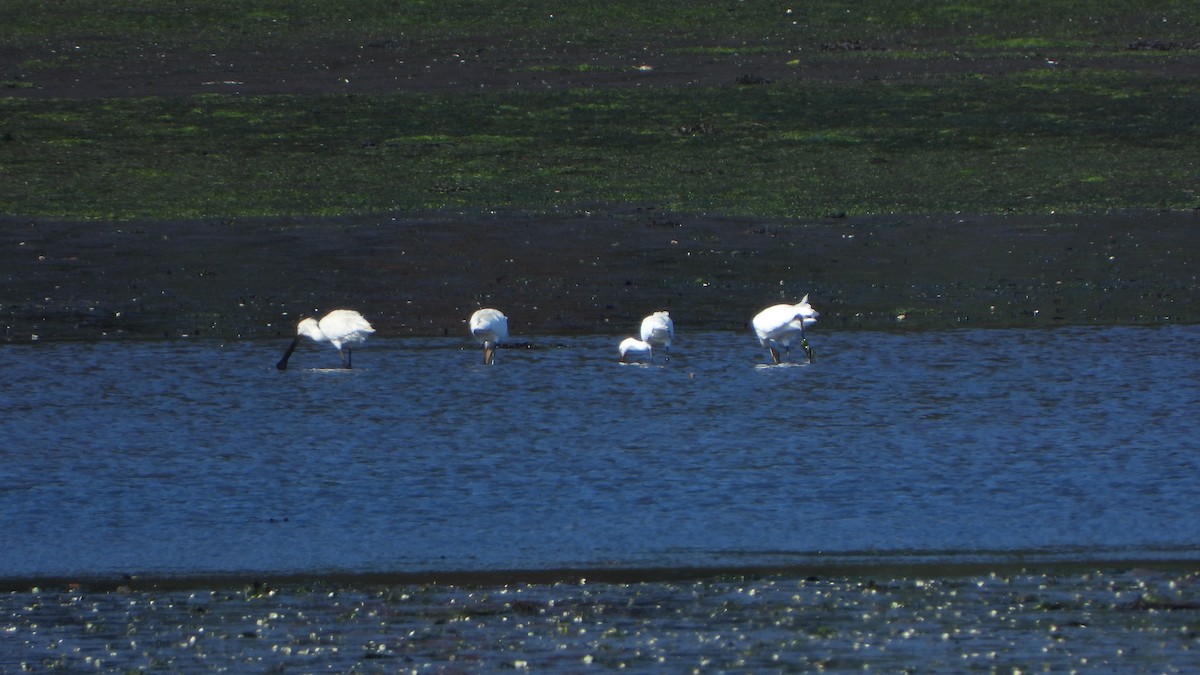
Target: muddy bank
[[383, 64], [591, 272]]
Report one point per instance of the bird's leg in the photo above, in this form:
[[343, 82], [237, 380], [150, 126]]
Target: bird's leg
[[346, 358]]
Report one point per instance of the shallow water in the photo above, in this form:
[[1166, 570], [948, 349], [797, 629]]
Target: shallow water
[[194, 457]]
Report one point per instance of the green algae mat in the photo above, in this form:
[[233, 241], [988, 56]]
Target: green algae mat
[[150, 111]]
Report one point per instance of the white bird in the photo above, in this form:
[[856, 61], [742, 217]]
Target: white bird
[[658, 330], [340, 328], [781, 325], [490, 327], [633, 349]]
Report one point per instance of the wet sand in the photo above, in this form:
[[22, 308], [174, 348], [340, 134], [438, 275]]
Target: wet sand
[[1054, 619]]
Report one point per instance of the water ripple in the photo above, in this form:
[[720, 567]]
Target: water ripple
[[200, 457]]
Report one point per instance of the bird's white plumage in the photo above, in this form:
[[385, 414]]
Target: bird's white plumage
[[340, 328], [658, 330], [781, 325], [490, 327], [633, 349]]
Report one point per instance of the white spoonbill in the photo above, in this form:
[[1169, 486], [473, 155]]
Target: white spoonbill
[[633, 349], [490, 327], [658, 330], [781, 325], [340, 328]]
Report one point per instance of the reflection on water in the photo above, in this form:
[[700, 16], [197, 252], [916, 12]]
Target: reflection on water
[[200, 457]]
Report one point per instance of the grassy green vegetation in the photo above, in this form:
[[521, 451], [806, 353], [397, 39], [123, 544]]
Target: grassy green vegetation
[[1054, 141], [1040, 140]]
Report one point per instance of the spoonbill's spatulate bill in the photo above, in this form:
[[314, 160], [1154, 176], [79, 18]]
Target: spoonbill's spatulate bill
[[340, 328], [781, 325], [633, 349], [490, 327], [658, 331]]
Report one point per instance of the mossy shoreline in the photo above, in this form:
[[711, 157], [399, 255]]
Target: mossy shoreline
[[1045, 140]]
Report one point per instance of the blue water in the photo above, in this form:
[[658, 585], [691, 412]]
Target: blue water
[[198, 457]]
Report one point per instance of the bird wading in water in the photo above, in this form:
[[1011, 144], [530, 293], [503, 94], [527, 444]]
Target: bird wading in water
[[340, 328], [781, 325], [658, 331], [633, 349], [490, 327]]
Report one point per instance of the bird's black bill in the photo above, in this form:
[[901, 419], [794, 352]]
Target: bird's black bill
[[282, 365]]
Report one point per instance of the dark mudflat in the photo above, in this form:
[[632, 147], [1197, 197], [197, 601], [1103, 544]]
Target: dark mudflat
[[592, 273]]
